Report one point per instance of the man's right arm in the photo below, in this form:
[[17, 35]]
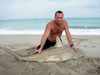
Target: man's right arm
[[44, 37]]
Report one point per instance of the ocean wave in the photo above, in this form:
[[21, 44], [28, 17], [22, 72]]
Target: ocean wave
[[40, 32], [84, 27]]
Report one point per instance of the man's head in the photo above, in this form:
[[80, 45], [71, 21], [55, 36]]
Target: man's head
[[59, 17]]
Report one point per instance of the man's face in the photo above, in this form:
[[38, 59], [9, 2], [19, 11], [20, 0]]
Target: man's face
[[59, 18]]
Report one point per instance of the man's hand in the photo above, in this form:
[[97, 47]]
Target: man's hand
[[37, 51], [75, 49]]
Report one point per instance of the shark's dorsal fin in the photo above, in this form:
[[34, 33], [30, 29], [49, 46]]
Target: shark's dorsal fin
[[58, 42]]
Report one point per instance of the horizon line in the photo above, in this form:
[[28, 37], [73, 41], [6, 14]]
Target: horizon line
[[51, 18]]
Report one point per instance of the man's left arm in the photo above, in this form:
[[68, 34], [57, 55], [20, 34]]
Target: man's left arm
[[68, 35]]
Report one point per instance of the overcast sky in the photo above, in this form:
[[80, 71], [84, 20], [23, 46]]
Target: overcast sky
[[25, 9]]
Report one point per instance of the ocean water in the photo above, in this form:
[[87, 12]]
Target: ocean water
[[77, 26]]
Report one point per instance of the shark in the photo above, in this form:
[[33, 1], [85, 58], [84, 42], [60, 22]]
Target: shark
[[59, 53]]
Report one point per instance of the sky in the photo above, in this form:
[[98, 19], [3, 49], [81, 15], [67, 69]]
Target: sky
[[27, 9]]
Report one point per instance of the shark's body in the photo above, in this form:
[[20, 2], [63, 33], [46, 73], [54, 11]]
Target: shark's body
[[58, 53]]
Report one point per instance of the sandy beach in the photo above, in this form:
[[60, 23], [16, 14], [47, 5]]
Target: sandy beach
[[89, 65]]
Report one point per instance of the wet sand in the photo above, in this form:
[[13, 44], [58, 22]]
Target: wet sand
[[89, 65]]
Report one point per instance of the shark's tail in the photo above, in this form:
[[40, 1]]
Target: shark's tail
[[15, 54], [8, 49]]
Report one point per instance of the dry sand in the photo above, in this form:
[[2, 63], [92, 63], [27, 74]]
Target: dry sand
[[89, 65]]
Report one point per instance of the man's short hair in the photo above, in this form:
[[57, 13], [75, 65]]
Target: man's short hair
[[60, 12]]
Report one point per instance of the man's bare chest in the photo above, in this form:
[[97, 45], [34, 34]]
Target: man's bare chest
[[57, 30]]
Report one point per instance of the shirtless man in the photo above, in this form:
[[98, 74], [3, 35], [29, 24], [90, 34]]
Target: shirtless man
[[54, 29]]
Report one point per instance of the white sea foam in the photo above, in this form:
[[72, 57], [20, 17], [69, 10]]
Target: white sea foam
[[40, 32], [14, 32], [85, 31]]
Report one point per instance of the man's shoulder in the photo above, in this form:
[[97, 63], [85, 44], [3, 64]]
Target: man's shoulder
[[65, 21], [52, 21], [50, 24]]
